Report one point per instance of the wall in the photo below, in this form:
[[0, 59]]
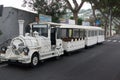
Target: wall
[[9, 22]]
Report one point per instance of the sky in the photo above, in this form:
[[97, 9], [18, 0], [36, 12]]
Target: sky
[[13, 3], [18, 4]]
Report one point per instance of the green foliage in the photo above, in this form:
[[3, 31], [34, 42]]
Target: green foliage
[[55, 19], [105, 6], [109, 9], [53, 8], [80, 21], [71, 17]]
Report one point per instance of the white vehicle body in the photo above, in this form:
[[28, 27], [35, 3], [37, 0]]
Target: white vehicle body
[[101, 37], [90, 36], [39, 45], [36, 46]]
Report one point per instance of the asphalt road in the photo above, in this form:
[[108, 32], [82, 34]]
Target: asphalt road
[[100, 62]]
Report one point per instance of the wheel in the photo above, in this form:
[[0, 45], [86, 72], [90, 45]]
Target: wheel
[[34, 60]]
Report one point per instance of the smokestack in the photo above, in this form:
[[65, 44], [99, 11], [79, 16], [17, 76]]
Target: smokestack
[[21, 25]]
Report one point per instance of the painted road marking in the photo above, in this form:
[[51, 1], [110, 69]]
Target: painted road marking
[[114, 40], [108, 40]]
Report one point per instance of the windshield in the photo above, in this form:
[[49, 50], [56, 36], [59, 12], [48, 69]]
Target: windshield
[[42, 29]]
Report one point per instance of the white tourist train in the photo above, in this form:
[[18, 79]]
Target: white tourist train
[[46, 40]]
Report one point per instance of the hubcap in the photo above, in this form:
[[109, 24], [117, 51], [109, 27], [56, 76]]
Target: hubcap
[[35, 61]]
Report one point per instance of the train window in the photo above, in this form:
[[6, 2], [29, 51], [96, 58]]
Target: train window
[[95, 33], [102, 32], [92, 33], [99, 32], [70, 32], [63, 33], [42, 29], [82, 33], [66, 33], [88, 33], [76, 33]]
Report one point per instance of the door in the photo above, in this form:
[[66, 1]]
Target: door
[[53, 36]]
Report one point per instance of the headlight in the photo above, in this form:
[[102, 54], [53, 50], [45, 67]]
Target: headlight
[[26, 50], [3, 49]]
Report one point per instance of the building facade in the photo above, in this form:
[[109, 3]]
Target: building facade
[[9, 23]]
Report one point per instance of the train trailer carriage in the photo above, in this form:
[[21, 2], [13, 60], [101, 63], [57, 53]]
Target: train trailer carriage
[[47, 40], [94, 35], [76, 37], [101, 37], [73, 37]]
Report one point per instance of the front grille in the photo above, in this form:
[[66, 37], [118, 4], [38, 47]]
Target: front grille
[[15, 51]]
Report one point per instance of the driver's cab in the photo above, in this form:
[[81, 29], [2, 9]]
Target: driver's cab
[[47, 30]]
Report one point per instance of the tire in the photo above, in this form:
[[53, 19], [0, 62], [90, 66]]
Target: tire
[[34, 60]]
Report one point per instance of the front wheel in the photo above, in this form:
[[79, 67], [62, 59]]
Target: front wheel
[[34, 60]]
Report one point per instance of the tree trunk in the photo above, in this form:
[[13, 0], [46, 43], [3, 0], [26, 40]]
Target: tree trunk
[[93, 9], [75, 14], [106, 22], [94, 14], [110, 22], [105, 33]]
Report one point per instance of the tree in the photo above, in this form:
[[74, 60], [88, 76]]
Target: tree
[[75, 9], [79, 20], [54, 8], [109, 10]]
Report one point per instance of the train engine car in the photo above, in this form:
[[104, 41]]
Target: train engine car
[[41, 43]]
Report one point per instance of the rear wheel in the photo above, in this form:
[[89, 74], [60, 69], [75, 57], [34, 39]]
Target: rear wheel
[[34, 60]]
